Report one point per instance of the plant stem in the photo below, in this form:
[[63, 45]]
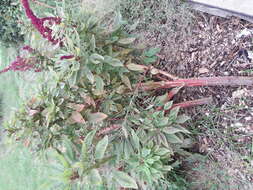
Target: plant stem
[[191, 103], [195, 82]]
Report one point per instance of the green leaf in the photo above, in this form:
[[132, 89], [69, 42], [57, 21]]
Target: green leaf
[[116, 63], [162, 121], [93, 43], [84, 155], [124, 180], [94, 177], [72, 80], [163, 151], [160, 100], [101, 148], [173, 130], [167, 168], [97, 117], [136, 140], [151, 52], [182, 119], [163, 139], [63, 160], [135, 67], [69, 149], [145, 152], [148, 60], [99, 85], [126, 41], [172, 138], [88, 74], [173, 113], [168, 105], [113, 61], [89, 138], [96, 58]]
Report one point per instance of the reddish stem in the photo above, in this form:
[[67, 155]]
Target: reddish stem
[[170, 95], [193, 103], [194, 82]]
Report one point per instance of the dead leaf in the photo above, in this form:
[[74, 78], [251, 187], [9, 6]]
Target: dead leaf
[[136, 67], [32, 100], [239, 93], [203, 70], [97, 117], [33, 112], [76, 117], [88, 100], [76, 107], [27, 142], [126, 81]]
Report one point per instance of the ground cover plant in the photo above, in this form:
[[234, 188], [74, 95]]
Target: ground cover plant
[[158, 18], [10, 12], [100, 115]]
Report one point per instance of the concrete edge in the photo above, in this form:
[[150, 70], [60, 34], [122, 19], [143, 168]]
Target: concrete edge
[[219, 11]]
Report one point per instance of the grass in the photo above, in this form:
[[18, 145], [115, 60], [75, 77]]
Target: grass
[[227, 164], [9, 89], [20, 170], [15, 87], [157, 17]]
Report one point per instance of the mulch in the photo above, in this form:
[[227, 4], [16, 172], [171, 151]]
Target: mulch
[[212, 46]]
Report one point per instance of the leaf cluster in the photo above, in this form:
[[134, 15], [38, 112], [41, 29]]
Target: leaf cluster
[[10, 12], [86, 116]]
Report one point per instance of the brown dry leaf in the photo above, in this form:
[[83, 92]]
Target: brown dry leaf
[[126, 81], [203, 70], [136, 67], [33, 112], [97, 117], [32, 101], [76, 117], [88, 100], [240, 93], [77, 107], [27, 142]]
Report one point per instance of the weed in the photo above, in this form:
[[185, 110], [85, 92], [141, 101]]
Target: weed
[[227, 145], [161, 17]]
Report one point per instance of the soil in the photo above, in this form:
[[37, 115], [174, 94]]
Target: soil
[[213, 46]]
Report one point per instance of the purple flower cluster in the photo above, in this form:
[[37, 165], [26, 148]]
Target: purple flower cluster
[[22, 64], [67, 57], [28, 48], [38, 23]]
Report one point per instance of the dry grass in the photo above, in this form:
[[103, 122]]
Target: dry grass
[[225, 137]]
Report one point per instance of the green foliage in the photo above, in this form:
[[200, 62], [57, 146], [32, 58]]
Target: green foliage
[[159, 16], [10, 13], [89, 117]]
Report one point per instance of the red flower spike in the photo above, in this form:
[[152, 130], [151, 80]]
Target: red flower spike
[[28, 48], [67, 57], [38, 23], [22, 64]]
